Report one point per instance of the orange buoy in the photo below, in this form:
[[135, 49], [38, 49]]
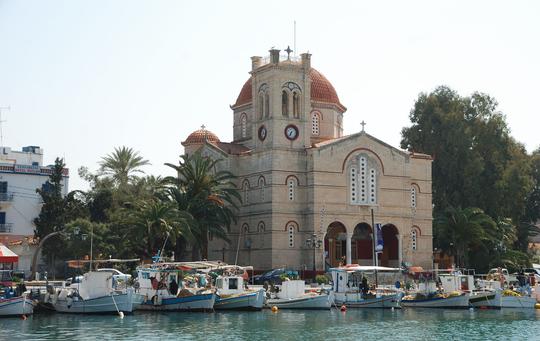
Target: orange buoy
[[537, 305], [274, 309], [343, 308]]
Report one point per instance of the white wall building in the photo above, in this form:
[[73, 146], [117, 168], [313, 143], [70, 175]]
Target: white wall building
[[21, 173]]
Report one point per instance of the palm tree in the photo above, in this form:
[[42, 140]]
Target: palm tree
[[156, 221], [208, 194], [458, 230], [122, 164]]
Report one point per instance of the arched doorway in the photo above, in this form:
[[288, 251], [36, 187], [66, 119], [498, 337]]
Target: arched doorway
[[390, 254], [362, 245], [335, 247]]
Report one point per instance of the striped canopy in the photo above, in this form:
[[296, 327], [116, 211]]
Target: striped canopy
[[7, 256]]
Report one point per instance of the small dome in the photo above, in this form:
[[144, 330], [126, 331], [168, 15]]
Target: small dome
[[321, 91], [200, 136]]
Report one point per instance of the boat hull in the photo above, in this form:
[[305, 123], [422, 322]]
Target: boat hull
[[486, 300], [456, 302], [201, 302], [16, 306], [98, 305], [306, 302], [356, 301], [520, 302], [245, 301]]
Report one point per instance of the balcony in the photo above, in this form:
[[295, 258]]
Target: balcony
[[6, 197], [6, 228]]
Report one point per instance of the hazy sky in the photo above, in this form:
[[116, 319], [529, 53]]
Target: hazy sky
[[82, 77]]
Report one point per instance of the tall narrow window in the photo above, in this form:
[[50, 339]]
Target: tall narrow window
[[296, 105], [285, 103], [261, 189], [413, 239], [245, 192], [363, 177], [413, 197], [243, 125], [266, 105], [261, 106], [315, 119], [291, 184], [290, 231], [372, 186], [354, 185]]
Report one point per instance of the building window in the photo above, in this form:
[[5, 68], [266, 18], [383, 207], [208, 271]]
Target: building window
[[266, 105], [291, 187], [414, 235], [413, 197], [261, 189], [290, 232], [245, 192], [261, 227], [363, 181], [315, 121], [243, 125], [296, 105], [284, 103], [261, 106]]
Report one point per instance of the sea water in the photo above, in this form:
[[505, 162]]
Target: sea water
[[372, 324]]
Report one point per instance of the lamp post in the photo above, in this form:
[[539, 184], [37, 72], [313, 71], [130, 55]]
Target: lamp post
[[315, 243]]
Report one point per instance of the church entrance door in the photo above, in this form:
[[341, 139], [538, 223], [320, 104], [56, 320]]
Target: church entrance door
[[335, 244], [390, 254]]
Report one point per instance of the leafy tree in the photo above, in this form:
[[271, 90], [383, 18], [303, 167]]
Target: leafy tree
[[122, 164], [208, 194]]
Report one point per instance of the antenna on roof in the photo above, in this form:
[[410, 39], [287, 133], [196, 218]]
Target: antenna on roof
[[2, 121]]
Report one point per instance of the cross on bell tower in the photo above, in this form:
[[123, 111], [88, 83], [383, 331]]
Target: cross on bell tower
[[363, 124], [289, 51]]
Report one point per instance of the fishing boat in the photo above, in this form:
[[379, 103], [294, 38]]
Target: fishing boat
[[233, 293], [94, 293], [452, 291], [165, 286], [292, 295], [350, 287], [12, 302]]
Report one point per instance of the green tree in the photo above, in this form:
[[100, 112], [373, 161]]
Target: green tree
[[208, 194], [122, 164]]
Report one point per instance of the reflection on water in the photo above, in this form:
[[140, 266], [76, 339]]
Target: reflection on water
[[406, 324]]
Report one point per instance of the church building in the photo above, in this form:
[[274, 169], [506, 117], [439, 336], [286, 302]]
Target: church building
[[311, 196]]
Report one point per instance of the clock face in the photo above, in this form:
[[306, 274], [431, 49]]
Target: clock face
[[262, 133], [291, 132]]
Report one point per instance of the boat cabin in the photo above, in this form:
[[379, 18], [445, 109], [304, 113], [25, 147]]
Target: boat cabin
[[229, 285], [457, 282]]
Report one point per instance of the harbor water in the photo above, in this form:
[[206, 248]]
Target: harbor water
[[399, 324]]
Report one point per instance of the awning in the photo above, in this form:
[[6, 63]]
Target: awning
[[7, 256]]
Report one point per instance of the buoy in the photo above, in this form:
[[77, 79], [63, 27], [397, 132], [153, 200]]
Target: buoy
[[343, 308], [274, 309], [23, 317], [537, 305], [121, 314], [471, 309], [392, 309]]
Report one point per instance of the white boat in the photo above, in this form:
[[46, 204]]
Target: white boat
[[460, 301], [347, 288], [292, 295], [486, 299], [521, 302], [165, 289], [94, 293], [16, 306], [231, 294]]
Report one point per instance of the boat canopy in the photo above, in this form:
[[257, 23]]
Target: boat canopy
[[363, 268], [7, 256]]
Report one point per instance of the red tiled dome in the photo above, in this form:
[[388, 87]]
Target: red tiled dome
[[199, 136], [321, 90]]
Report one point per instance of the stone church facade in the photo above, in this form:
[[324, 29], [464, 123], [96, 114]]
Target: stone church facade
[[302, 180]]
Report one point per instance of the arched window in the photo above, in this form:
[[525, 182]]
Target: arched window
[[414, 236], [262, 184], [266, 104], [261, 227], [315, 121], [245, 192], [284, 103], [243, 125], [291, 187], [261, 105], [363, 177], [413, 197], [296, 105], [291, 226]]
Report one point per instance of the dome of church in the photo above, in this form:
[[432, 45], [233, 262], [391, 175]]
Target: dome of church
[[321, 90], [199, 136]]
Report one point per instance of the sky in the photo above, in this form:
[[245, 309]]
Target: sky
[[83, 77]]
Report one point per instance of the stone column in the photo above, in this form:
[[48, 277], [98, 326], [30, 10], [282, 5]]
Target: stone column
[[400, 250], [349, 239]]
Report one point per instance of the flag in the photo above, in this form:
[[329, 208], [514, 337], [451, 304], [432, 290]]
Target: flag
[[379, 244]]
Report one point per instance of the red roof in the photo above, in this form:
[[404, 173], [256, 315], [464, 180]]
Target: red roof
[[7, 256], [200, 136], [321, 91]]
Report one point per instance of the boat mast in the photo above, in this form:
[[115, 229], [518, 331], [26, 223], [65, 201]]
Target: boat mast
[[374, 237]]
